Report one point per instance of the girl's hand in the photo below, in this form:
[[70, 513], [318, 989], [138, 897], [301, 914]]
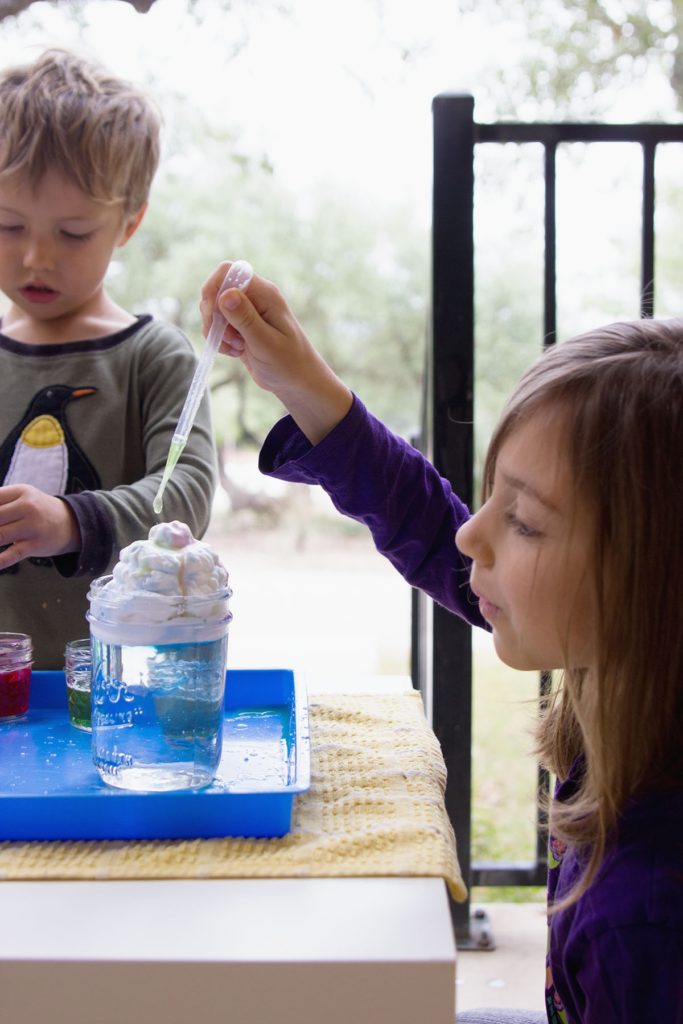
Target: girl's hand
[[35, 524], [263, 332]]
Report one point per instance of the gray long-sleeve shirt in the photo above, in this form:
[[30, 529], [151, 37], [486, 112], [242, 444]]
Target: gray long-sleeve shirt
[[92, 421]]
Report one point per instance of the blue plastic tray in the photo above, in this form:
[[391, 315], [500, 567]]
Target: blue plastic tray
[[49, 788]]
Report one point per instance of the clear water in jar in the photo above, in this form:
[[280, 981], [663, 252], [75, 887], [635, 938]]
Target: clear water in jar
[[157, 713]]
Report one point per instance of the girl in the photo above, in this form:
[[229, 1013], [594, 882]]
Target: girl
[[574, 561]]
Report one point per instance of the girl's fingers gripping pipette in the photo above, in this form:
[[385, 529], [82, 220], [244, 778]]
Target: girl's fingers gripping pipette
[[239, 276]]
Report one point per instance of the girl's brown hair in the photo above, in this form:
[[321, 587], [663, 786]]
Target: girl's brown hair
[[619, 390], [65, 114]]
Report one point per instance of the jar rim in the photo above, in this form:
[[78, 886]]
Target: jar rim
[[77, 645], [16, 651], [16, 641]]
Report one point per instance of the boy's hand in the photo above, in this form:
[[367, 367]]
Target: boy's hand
[[34, 524], [265, 335]]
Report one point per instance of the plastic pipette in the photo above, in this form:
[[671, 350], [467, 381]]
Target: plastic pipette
[[238, 276]]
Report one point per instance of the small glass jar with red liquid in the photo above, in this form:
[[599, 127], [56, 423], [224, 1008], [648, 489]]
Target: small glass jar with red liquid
[[16, 658]]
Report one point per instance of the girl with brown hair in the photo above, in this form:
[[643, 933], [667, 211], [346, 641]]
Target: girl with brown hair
[[574, 561]]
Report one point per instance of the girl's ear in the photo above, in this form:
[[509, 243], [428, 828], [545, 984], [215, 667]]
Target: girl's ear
[[131, 225]]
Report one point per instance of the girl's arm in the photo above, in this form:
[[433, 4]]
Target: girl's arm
[[370, 473], [377, 478]]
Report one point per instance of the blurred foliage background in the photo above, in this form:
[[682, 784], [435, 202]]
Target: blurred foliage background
[[349, 246], [298, 136]]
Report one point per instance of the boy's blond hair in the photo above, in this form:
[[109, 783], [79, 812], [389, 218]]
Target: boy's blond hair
[[66, 114]]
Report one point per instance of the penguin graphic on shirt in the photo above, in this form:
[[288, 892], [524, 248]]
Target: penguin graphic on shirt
[[42, 451]]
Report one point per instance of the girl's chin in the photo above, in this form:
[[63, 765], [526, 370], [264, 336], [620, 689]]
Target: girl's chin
[[515, 658]]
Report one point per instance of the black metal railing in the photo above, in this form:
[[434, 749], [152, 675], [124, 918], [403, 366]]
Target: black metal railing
[[442, 653]]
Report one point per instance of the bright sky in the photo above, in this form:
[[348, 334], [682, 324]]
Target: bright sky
[[334, 92], [324, 92]]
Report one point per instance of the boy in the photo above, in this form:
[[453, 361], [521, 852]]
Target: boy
[[91, 394]]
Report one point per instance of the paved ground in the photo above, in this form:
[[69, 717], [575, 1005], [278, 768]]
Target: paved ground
[[513, 973]]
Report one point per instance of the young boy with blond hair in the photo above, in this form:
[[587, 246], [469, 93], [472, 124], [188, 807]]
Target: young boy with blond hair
[[91, 393]]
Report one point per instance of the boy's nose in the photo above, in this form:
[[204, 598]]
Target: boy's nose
[[472, 540], [39, 255]]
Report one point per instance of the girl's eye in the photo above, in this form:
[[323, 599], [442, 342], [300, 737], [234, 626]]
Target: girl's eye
[[521, 527], [10, 227]]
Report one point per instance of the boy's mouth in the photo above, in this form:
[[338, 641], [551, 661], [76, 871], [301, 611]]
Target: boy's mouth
[[38, 293]]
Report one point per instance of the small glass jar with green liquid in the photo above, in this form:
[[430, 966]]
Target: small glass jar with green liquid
[[78, 672]]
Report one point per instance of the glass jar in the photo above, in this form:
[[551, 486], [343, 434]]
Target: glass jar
[[16, 659], [158, 687], [77, 670]]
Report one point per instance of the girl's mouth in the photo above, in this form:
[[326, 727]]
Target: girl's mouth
[[38, 293], [487, 609]]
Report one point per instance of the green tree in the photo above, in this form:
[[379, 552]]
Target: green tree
[[356, 277], [577, 56]]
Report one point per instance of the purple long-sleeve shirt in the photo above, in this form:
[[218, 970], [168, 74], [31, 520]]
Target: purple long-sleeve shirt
[[616, 956], [379, 479]]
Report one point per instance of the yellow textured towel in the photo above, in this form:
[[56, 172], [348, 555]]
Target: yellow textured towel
[[375, 807]]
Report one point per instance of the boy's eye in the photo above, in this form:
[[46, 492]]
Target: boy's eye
[[10, 227], [73, 236]]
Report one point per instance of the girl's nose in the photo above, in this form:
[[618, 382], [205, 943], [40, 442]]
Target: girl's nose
[[472, 539]]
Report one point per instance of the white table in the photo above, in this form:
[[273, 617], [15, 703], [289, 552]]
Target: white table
[[290, 951]]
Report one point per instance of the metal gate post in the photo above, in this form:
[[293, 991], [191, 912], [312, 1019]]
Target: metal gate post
[[452, 387]]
